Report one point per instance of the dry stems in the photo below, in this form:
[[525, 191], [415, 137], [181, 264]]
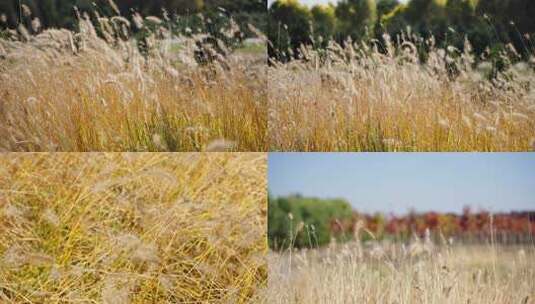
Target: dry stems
[[355, 98], [79, 91], [390, 273], [132, 228]]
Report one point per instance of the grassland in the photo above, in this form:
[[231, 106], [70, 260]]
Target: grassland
[[116, 85], [132, 228], [359, 97], [391, 273]]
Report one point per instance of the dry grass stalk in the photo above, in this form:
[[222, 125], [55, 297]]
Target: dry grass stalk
[[355, 98], [391, 273], [132, 228], [83, 91]]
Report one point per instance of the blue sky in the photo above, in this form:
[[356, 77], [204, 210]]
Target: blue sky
[[396, 182]]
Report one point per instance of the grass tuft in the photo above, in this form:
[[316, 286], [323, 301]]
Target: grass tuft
[[132, 228]]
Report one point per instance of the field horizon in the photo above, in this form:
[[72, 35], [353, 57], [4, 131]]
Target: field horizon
[[325, 249]]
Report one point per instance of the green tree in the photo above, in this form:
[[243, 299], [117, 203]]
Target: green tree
[[288, 27], [509, 21], [182, 7], [154, 7], [395, 21], [427, 17], [324, 22], [461, 18], [59, 13], [356, 18], [385, 7], [304, 222]]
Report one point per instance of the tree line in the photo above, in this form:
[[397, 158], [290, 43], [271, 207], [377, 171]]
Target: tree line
[[302, 222], [487, 24], [59, 13]]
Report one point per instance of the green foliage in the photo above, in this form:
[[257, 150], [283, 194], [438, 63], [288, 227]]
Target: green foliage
[[288, 27], [386, 6], [427, 17], [357, 18], [488, 24], [59, 13], [395, 22], [304, 222], [323, 22], [52, 13]]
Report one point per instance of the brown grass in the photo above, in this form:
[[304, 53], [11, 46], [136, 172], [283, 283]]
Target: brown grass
[[132, 228], [76, 91], [354, 98], [390, 273]]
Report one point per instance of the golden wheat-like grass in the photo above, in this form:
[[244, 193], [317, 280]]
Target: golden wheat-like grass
[[132, 228], [390, 273], [356, 99], [66, 91]]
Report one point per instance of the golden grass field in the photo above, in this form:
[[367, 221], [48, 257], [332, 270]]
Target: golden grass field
[[355, 98], [82, 91], [389, 273], [132, 228]]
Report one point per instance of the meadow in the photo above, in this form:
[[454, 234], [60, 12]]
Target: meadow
[[322, 251], [403, 95], [132, 227], [421, 272], [131, 83]]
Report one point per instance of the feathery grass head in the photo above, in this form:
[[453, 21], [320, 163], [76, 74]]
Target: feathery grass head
[[116, 85], [132, 228], [360, 97]]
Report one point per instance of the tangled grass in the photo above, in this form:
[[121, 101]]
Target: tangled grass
[[390, 273], [359, 97], [103, 88], [132, 227]]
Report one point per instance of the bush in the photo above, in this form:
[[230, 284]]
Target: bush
[[288, 28], [485, 23], [304, 222]]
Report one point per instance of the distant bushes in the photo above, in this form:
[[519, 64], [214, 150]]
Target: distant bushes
[[301, 222], [486, 23], [60, 14], [304, 222]]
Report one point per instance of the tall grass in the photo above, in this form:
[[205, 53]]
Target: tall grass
[[132, 228], [117, 84], [420, 272], [386, 97]]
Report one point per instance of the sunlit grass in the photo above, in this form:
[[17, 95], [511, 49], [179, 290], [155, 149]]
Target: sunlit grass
[[88, 93], [132, 228], [353, 98], [391, 273]]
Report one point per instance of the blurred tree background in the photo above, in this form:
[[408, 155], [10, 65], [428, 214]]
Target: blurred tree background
[[488, 24], [59, 13], [300, 222], [304, 222]]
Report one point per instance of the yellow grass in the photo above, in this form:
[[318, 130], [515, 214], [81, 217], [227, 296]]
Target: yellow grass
[[132, 228], [59, 93], [357, 99], [386, 274]]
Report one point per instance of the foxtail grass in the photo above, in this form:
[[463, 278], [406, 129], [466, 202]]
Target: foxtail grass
[[116, 85], [362, 97], [132, 228]]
